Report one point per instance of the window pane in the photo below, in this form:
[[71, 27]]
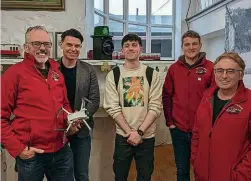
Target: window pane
[[159, 31], [117, 45], [115, 28], [162, 12], [162, 46], [143, 46], [98, 20], [116, 8], [98, 4], [139, 30], [137, 10]]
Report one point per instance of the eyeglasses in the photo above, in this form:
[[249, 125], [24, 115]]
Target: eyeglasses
[[220, 71], [38, 44]]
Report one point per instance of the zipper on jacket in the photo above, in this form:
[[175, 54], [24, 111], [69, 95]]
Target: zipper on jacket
[[210, 136], [49, 88], [55, 111], [209, 156], [29, 142], [188, 101]]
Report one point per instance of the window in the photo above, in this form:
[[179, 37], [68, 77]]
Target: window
[[117, 45], [99, 5], [115, 28], [152, 20], [162, 12], [137, 29], [161, 41], [116, 8], [137, 10], [98, 20]]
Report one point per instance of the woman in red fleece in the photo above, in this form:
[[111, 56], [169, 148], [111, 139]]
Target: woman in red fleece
[[221, 142]]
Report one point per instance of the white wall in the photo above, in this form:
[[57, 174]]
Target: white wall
[[15, 23], [214, 21], [213, 44], [211, 26]]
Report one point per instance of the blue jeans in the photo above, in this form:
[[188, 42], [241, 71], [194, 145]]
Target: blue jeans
[[182, 148], [58, 166], [81, 149], [143, 155]]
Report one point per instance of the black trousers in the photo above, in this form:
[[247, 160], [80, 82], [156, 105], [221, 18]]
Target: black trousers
[[142, 153]]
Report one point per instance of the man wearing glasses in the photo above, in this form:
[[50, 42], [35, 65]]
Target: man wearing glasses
[[221, 142], [34, 91], [81, 82]]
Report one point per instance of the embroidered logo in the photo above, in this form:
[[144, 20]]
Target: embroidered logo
[[54, 75], [201, 70], [234, 109]]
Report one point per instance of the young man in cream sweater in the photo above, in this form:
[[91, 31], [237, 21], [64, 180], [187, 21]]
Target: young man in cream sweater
[[134, 104]]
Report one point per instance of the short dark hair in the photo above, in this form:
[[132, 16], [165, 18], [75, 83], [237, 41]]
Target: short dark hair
[[72, 32], [131, 37], [191, 34]]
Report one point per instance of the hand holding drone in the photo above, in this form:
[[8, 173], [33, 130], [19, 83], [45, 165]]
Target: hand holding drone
[[76, 116]]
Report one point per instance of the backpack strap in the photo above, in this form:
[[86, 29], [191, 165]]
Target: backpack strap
[[116, 74], [149, 75]]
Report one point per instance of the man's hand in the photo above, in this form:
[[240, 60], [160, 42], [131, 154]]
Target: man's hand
[[75, 127], [29, 153], [172, 126], [134, 138]]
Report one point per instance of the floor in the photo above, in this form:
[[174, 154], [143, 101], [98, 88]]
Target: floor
[[164, 165]]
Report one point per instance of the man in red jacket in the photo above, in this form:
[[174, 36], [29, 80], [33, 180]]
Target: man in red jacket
[[221, 142], [34, 91], [185, 82]]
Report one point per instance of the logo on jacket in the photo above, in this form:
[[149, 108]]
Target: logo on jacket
[[54, 75], [234, 109], [201, 70]]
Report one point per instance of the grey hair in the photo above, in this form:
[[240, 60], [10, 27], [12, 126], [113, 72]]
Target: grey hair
[[33, 28]]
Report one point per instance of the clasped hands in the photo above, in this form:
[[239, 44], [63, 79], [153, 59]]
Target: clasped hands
[[133, 138]]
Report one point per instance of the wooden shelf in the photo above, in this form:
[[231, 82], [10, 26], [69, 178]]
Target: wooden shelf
[[96, 62]]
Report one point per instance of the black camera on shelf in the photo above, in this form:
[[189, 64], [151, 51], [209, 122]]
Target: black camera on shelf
[[103, 46]]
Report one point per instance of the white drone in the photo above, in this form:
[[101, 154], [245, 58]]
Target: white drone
[[78, 115]]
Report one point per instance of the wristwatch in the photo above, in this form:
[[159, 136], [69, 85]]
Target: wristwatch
[[140, 132]]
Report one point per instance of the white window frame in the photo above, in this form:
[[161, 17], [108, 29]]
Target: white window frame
[[105, 14]]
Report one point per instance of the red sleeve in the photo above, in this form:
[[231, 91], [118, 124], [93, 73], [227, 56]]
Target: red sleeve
[[9, 91], [243, 170], [167, 97]]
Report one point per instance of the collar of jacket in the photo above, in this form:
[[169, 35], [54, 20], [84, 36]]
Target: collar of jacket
[[240, 96], [201, 60], [60, 62], [29, 60]]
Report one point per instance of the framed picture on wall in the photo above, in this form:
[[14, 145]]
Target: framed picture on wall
[[33, 4], [58, 50]]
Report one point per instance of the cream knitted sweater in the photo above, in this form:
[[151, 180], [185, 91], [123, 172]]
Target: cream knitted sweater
[[134, 98]]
